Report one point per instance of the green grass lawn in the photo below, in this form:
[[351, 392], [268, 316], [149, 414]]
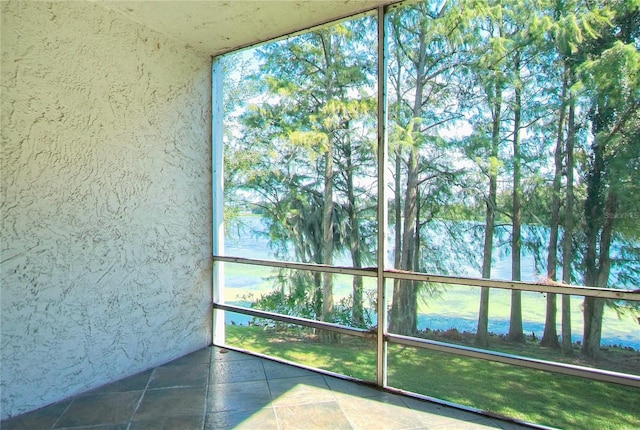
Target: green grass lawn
[[531, 395]]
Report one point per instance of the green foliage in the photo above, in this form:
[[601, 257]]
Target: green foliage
[[299, 302], [303, 121]]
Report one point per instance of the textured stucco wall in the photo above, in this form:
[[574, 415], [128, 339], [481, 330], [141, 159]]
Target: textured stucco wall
[[106, 207]]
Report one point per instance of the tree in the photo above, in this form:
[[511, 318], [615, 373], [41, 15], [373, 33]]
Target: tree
[[567, 245], [565, 35], [489, 72], [550, 334], [612, 84], [356, 242], [425, 56], [495, 100], [311, 127], [604, 190], [516, 333]]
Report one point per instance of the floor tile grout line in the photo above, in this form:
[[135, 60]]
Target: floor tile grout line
[[272, 405], [144, 392], [414, 412], [207, 388], [73, 399], [338, 402]]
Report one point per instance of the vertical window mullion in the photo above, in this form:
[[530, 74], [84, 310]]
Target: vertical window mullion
[[217, 154], [381, 370]]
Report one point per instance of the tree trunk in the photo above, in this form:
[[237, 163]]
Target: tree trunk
[[327, 278], [482, 334], [404, 309], [404, 312], [398, 210], [550, 334], [356, 254], [567, 240], [516, 333], [594, 307], [317, 293], [398, 205], [327, 238], [328, 205], [599, 216]]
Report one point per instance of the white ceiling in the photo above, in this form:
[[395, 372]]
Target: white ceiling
[[219, 26]]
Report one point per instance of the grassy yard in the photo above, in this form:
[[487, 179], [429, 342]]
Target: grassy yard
[[534, 396]]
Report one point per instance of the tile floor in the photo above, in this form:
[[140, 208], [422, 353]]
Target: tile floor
[[218, 389]]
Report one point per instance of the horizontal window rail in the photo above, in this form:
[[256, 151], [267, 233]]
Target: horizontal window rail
[[555, 287], [320, 325], [368, 271], [531, 363]]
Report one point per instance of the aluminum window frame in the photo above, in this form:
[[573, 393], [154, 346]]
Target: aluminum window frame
[[381, 272]]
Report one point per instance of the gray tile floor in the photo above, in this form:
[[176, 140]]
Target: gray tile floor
[[218, 389]]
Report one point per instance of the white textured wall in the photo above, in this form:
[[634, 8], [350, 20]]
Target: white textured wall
[[106, 207]]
